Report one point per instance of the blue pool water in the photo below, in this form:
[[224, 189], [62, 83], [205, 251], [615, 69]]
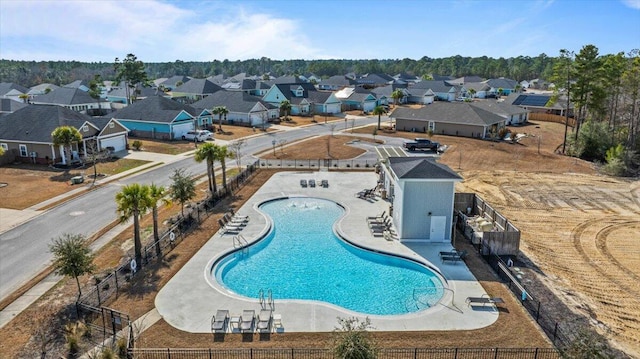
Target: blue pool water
[[302, 258]]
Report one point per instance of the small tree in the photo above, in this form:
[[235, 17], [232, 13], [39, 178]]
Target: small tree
[[208, 153], [222, 153], [133, 201], [374, 133], [72, 257], [379, 111], [66, 136], [352, 341], [157, 195], [285, 109], [397, 95], [183, 187], [236, 147]]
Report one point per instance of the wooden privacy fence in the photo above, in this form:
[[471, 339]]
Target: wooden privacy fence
[[548, 117], [396, 353]]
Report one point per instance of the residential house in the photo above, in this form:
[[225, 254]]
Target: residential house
[[118, 95], [157, 117], [244, 109], [507, 85], [255, 87], [41, 89], [513, 115], [406, 78], [9, 106], [322, 102], [82, 85], [74, 99], [541, 103], [335, 83], [374, 80], [525, 84], [383, 94], [456, 118], [442, 91], [12, 91], [194, 90], [422, 192], [27, 133], [356, 98], [477, 89], [296, 94], [174, 81], [311, 78], [420, 95], [464, 80]]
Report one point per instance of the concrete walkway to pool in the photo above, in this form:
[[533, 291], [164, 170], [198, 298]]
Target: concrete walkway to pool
[[192, 297]]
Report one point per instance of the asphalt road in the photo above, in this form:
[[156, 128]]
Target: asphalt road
[[24, 250]]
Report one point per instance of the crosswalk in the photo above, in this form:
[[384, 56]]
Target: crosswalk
[[385, 152]]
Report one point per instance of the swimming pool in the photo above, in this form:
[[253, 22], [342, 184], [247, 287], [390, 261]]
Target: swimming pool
[[302, 258]]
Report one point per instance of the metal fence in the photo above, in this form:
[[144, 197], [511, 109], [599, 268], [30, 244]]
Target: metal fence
[[549, 325], [354, 164], [399, 353], [104, 322]]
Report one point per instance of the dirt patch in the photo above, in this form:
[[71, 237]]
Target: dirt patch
[[334, 147], [230, 133], [28, 185]]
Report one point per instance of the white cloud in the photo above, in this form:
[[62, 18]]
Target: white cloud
[[153, 30], [634, 4]]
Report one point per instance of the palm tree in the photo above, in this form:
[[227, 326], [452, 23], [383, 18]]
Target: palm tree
[[157, 194], [379, 111], [133, 201], [285, 107], [208, 152], [472, 92], [397, 95], [222, 153], [66, 136], [222, 111]]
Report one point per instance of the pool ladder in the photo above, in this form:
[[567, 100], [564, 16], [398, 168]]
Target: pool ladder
[[239, 241], [268, 301]]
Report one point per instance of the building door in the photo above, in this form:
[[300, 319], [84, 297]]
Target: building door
[[438, 225]]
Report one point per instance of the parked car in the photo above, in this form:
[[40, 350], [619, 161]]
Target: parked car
[[197, 135]]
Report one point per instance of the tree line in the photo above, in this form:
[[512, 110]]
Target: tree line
[[31, 73]]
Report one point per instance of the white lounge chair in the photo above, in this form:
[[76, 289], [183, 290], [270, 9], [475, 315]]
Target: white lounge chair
[[264, 319], [247, 320], [219, 321]]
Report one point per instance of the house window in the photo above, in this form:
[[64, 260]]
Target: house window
[[432, 126], [4, 146], [111, 125], [23, 151], [85, 128]]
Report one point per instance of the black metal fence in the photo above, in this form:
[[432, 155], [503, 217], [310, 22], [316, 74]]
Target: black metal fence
[[549, 325], [105, 322], [399, 353], [319, 163]]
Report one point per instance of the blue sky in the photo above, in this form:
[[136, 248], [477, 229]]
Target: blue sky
[[159, 31]]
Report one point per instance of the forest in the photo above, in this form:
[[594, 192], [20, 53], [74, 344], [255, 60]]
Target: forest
[[31, 73]]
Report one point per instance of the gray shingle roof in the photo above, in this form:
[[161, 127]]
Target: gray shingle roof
[[144, 92], [8, 86], [421, 168], [465, 79], [234, 101], [154, 108], [35, 123], [198, 87], [65, 96], [9, 105], [502, 83], [173, 80], [77, 83], [338, 80], [435, 86], [449, 112], [40, 89], [501, 108]]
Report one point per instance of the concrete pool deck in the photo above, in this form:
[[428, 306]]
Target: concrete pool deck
[[192, 297]]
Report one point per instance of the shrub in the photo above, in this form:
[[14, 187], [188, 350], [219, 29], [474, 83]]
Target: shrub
[[502, 133], [352, 341], [137, 145]]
